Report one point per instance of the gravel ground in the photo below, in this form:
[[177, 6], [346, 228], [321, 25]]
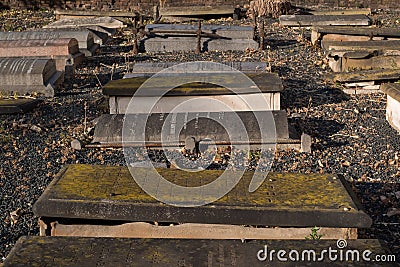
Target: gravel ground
[[350, 134]]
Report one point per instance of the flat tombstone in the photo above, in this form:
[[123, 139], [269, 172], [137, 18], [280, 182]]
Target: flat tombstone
[[105, 22], [29, 76], [392, 45], [148, 69], [322, 20], [226, 31], [85, 38], [183, 44], [88, 192], [201, 126], [344, 32], [65, 51], [365, 76], [74, 251], [11, 106]]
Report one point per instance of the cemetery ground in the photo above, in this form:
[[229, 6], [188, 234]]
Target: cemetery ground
[[350, 134]]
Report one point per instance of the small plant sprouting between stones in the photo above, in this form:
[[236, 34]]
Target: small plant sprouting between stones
[[314, 234]]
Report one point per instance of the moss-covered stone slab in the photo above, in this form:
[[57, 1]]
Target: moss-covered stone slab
[[321, 20], [22, 105], [77, 251], [266, 83], [284, 199]]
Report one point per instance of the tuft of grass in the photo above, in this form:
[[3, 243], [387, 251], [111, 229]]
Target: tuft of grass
[[314, 234]]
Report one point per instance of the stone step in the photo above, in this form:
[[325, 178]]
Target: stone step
[[343, 33], [85, 37], [380, 45], [108, 195], [21, 105], [64, 51], [185, 44], [79, 251], [226, 31], [322, 20], [29, 76], [238, 95], [393, 104], [148, 69]]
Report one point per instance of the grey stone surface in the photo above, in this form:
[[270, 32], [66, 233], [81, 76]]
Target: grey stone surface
[[147, 69], [29, 76], [171, 44], [85, 37], [228, 31]]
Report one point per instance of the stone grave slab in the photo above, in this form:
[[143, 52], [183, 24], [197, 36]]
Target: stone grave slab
[[74, 251], [65, 52], [108, 195], [104, 22], [100, 35], [269, 86], [226, 31], [69, 14], [85, 37], [148, 69], [380, 45], [365, 81], [29, 76], [322, 20], [200, 126], [343, 33], [185, 44], [355, 11], [21, 105], [340, 61], [393, 104], [173, 37]]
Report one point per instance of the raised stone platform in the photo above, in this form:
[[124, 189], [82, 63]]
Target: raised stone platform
[[78, 251], [29, 76], [322, 20], [393, 104], [171, 37], [65, 52], [92, 199], [22, 105], [85, 37], [332, 33], [269, 87]]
